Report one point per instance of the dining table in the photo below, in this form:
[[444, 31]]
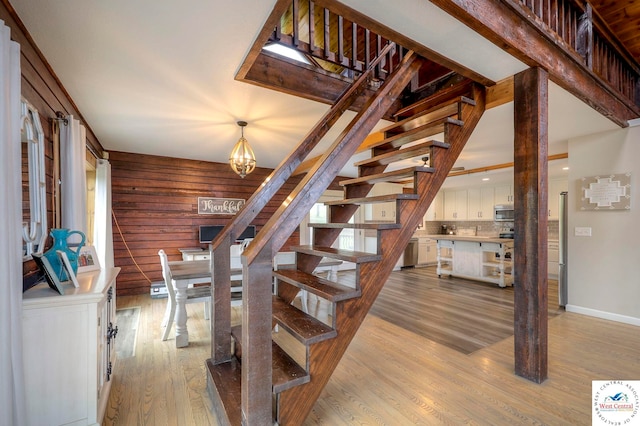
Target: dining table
[[188, 272], [185, 273]]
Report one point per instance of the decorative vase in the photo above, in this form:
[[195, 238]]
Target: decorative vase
[[60, 237]]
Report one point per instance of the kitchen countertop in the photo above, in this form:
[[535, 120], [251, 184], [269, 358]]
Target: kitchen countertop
[[473, 239]]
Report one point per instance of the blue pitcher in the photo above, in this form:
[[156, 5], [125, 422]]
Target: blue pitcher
[[60, 236]]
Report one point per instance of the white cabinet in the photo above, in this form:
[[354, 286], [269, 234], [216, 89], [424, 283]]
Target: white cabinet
[[427, 253], [455, 204], [435, 210], [480, 203], [503, 194], [69, 351], [382, 211], [555, 188]]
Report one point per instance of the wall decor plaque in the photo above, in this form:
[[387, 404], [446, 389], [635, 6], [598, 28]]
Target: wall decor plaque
[[228, 206], [606, 192]]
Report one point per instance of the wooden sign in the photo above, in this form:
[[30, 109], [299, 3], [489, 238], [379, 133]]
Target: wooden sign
[[228, 206]]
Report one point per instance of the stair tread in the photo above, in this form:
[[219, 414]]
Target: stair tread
[[387, 176], [335, 253], [401, 154], [419, 106], [227, 394], [368, 225], [319, 286], [286, 373], [304, 327], [372, 200], [403, 137]]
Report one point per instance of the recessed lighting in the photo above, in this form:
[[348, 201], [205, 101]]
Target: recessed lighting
[[486, 179], [565, 168]]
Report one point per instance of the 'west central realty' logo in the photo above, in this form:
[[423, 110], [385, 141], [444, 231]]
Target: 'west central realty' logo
[[615, 402]]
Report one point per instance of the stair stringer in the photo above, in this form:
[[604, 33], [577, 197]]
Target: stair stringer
[[295, 404]]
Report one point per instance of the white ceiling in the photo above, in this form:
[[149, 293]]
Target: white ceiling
[[157, 77]]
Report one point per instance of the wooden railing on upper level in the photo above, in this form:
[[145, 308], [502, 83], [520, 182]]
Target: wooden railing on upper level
[[333, 42], [584, 33]]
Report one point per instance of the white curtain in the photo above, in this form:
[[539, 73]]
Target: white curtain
[[103, 231], [12, 403], [73, 174]]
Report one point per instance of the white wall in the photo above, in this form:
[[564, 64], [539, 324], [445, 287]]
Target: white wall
[[604, 269]]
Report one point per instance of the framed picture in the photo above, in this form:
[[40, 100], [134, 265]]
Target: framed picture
[[64, 260], [49, 273], [87, 259]]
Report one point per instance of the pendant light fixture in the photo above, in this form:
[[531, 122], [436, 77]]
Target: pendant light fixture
[[242, 158]]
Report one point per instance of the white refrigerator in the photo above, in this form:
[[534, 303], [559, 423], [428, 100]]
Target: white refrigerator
[[562, 250]]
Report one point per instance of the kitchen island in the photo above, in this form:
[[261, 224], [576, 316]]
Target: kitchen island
[[477, 258]]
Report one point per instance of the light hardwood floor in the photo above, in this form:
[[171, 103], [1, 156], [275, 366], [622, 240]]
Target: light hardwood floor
[[449, 361]]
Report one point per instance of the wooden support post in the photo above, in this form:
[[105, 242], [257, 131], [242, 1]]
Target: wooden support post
[[530, 195], [256, 339], [221, 303]]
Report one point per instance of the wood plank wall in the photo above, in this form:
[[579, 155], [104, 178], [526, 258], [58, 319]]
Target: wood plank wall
[[41, 87], [155, 206], [154, 197]]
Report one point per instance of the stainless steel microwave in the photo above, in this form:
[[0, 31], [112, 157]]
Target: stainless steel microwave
[[503, 213]]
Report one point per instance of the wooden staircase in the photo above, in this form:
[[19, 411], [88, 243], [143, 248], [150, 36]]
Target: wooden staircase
[[259, 383]]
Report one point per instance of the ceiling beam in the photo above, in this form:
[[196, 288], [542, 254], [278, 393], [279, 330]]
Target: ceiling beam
[[501, 93], [498, 22], [501, 166]]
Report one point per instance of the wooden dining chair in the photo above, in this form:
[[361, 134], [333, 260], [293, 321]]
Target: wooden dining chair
[[194, 295]]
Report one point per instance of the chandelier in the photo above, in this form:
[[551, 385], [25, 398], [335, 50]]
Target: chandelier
[[242, 159]]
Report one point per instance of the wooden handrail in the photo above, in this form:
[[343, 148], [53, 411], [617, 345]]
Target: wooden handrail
[[279, 176], [291, 212]]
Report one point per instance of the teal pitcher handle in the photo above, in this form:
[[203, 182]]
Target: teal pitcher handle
[[77, 250]]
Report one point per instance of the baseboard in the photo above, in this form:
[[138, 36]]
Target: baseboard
[[602, 314]]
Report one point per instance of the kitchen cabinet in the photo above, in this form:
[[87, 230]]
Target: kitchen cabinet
[[555, 188], [455, 204], [480, 203], [427, 252], [382, 211], [436, 209], [503, 194], [69, 350]]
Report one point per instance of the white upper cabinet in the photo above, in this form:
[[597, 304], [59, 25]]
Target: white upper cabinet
[[503, 194], [477, 203], [436, 209], [383, 211], [480, 203], [455, 204]]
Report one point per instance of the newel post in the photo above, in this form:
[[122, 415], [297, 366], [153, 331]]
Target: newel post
[[257, 297]]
